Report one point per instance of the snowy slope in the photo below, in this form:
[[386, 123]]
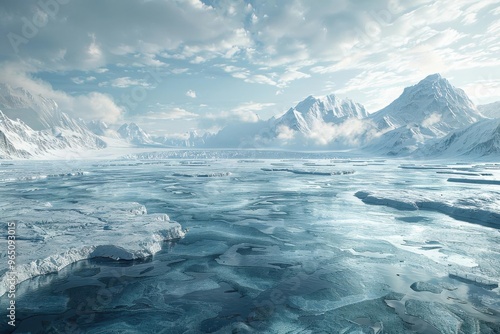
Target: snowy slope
[[491, 110], [477, 140], [100, 128], [133, 134], [192, 140], [428, 110], [434, 103], [33, 126], [37, 112], [313, 112], [18, 140], [400, 141]]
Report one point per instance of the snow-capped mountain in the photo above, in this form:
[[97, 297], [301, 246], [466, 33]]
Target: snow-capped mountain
[[433, 103], [477, 140], [37, 112], [428, 110], [100, 128], [401, 141], [491, 110], [133, 134], [313, 112], [18, 140], [192, 140], [32, 125]]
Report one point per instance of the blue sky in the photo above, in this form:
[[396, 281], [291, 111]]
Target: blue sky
[[172, 66]]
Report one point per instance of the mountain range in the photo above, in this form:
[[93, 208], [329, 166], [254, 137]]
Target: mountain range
[[430, 118]]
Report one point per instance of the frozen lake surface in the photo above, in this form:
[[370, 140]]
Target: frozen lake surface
[[273, 246]]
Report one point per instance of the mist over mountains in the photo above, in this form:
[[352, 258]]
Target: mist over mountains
[[430, 118]]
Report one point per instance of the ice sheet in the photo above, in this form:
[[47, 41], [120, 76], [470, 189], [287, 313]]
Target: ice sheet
[[266, 251], [52, 235]]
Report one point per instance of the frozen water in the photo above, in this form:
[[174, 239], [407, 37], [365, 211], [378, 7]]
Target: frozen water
[[273, 252], [477, 181], [472, 204]]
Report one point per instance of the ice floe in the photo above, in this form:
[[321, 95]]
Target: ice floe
[[51, 236]]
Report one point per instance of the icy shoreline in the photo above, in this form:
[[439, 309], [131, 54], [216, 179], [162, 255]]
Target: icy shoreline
[[114, 230], [462, 208]]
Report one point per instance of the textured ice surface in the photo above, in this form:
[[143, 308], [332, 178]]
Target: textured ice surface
[[268, 252], [214, 174], [477, 207], [52, 234], [309, 172]]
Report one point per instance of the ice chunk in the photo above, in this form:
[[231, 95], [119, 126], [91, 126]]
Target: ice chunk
[[424, 286], [482, 208], [438, 315], [476, 181], [50, 238], [309, 172], [213, 174], [474, 279]]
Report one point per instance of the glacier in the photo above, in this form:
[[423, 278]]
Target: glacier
[[265, 252]]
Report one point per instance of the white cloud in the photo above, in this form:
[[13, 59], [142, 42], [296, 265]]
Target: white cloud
[[244, 112], [431, 120], [369, 48], [125, 82], [89, 106], [82, 80], [347, 133], [191, 93], [198, 60], [485, 90], [289, 76], [260, 79], [285, 134], [251, 107], [179, 70], [78, 80], [171, 114], [96, 106]]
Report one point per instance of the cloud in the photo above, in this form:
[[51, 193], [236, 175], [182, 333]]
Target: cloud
[[82, 80], [371, 49], [171, 114], [285, 134], [299, 33], [484, 90], [242, 113], [260, 79], [289, 76], [349, 132], [88, 106], [96, 106], [431, 120], [246, 112], [179, 70], [352, 132], [191, 93], [69, 40], [125, 82]]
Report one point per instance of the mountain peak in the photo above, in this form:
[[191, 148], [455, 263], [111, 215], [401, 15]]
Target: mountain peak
[[433, 77], [132, 133], [434, 103], [434, 81], [309, 115]]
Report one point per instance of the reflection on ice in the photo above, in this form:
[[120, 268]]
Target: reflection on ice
[[266, 251]]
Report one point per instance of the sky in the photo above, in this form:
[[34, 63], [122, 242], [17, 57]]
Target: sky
[[173, 66]]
